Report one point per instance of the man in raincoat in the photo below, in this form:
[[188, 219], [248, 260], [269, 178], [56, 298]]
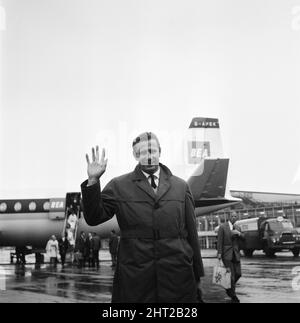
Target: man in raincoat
[[159, 258]]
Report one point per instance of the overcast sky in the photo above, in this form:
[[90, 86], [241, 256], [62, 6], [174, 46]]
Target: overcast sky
[[75, 73]]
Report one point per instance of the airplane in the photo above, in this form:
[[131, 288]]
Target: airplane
[[31, 222]]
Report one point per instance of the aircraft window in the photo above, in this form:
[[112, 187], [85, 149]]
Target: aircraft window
[[46, 206], [3, 207], [32, 206], [18, 206]]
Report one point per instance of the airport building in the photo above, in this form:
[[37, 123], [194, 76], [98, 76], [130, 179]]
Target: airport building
[[254, 204]]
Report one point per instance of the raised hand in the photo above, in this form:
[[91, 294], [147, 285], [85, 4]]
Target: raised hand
[[96, 168]]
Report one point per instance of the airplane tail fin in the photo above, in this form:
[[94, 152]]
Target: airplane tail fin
[[210, 168], [204, 140], [211, 183]]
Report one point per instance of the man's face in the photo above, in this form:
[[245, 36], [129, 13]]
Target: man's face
[[233, 218], [147, 154]]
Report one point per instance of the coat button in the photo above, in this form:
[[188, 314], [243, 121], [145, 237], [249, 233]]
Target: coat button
[[156, 205]]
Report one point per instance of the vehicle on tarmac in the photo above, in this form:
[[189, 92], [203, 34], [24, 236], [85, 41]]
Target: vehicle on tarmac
[[270, 235]]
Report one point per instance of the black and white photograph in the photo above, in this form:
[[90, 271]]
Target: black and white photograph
[[150, 153]]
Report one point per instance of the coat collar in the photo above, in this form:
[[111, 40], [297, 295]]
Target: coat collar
[[143, 184]]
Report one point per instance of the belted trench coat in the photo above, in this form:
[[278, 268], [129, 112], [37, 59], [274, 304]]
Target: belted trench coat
[[159, 258]]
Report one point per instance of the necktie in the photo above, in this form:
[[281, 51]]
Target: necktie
[[152, 181]]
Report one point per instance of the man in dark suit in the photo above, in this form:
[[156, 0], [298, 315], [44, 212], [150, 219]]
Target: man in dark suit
[[159, 259], [80, 250], [96, 246], [113, 247], [229, 236], [63, 245]]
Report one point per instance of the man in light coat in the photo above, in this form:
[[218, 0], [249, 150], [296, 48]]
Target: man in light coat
[[52, 249], [159, 259]]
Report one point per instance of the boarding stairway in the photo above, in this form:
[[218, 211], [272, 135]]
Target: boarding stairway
[[72, 207]]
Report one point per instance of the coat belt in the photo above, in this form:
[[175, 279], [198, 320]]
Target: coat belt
[[152, 234]]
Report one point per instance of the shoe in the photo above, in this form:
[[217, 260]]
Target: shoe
[[235, 299], [199, 297], [201, 301]]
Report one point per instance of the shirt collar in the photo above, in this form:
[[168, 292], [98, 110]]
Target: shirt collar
[[157, 173]]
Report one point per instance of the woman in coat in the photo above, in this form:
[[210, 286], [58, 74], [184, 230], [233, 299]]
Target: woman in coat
[[159, 258], [52, 249]]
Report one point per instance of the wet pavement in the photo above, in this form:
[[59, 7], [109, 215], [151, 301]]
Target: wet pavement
[[264, 280]]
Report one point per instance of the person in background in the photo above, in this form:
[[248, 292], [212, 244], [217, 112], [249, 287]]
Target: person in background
[[96, 246], [229, 237], [63, 245], [89, 249], [80, 250], [71, 225], [20, 254], [70, 236], [52, 250], [113, 247]]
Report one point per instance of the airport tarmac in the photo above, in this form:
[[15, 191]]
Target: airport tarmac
[[264, 280]]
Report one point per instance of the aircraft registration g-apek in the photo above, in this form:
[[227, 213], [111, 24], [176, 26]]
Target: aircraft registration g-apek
[[31, 222]]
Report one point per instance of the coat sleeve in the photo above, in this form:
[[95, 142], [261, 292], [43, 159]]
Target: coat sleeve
[[193, 234], [242, 235], [98, 207]]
